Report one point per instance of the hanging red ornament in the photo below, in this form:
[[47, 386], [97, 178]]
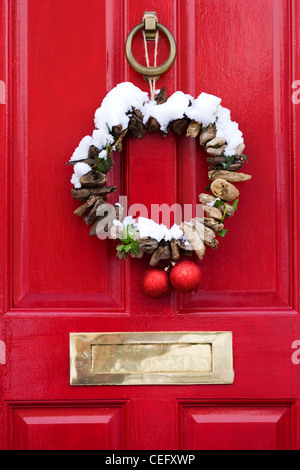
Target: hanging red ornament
[[185, 276], [156, 283]]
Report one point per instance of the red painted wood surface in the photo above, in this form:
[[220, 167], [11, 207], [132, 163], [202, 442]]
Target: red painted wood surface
[[59, 60]]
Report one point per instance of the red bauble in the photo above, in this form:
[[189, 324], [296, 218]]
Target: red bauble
[[185, 276], [156, 283]]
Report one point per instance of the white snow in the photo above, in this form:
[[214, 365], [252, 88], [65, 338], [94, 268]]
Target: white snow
[[120, 100], [129, 220], [204, 109], [174, 108], [149, 228], [228, 130], [80, 169], [212, 203], [101, 137], [117, 223], [117, 103], [82, 151], [103, 154]]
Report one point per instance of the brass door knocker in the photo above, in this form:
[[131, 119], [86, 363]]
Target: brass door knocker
[[150, 26]]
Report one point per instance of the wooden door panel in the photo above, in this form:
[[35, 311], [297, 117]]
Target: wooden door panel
[[67, 428], [237, 428], [51, 264], [250, 75]]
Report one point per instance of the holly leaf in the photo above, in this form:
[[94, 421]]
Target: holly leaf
[[244, 157], [228, 162], [104, 164], [218, 203], [221, 203], [234, 204], [120, 247], [222, 233], [129, 244]]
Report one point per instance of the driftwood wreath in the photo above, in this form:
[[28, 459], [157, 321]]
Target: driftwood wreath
[[126, 111]]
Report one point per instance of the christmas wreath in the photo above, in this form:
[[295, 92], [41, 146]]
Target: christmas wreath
[[128, 111]]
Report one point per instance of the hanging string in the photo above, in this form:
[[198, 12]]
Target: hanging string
[[151, 80]]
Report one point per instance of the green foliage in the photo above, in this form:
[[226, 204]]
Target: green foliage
[[221, 203], [129, 243], [222, 233], [235, 204], [228, 161], [104, 164]]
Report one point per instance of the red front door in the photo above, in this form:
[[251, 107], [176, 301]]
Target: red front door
[[58, 61]]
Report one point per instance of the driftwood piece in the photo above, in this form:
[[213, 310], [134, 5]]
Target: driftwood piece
[[118, 145], [138, 255], [215, 160], [206, 234], [216, 142], [240, 150], [148, 245], [117, 130], [224, 190], [185, 252], [122, 255], [232, 167], [136, 126], [194, 239], [84, 193], [229, 176], [180, 126], [81, 210], [89, 161], [175, 250], [92, 179], [184, 246], [215, 225], [216, 152], [161, 254], [193, 129], [213, 212], [208, 133], [210, 238], [207, 198], [153, 125], [161, 98], [235, 166], [91, 217], [93, 151], [116, 232], [109, 214]]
